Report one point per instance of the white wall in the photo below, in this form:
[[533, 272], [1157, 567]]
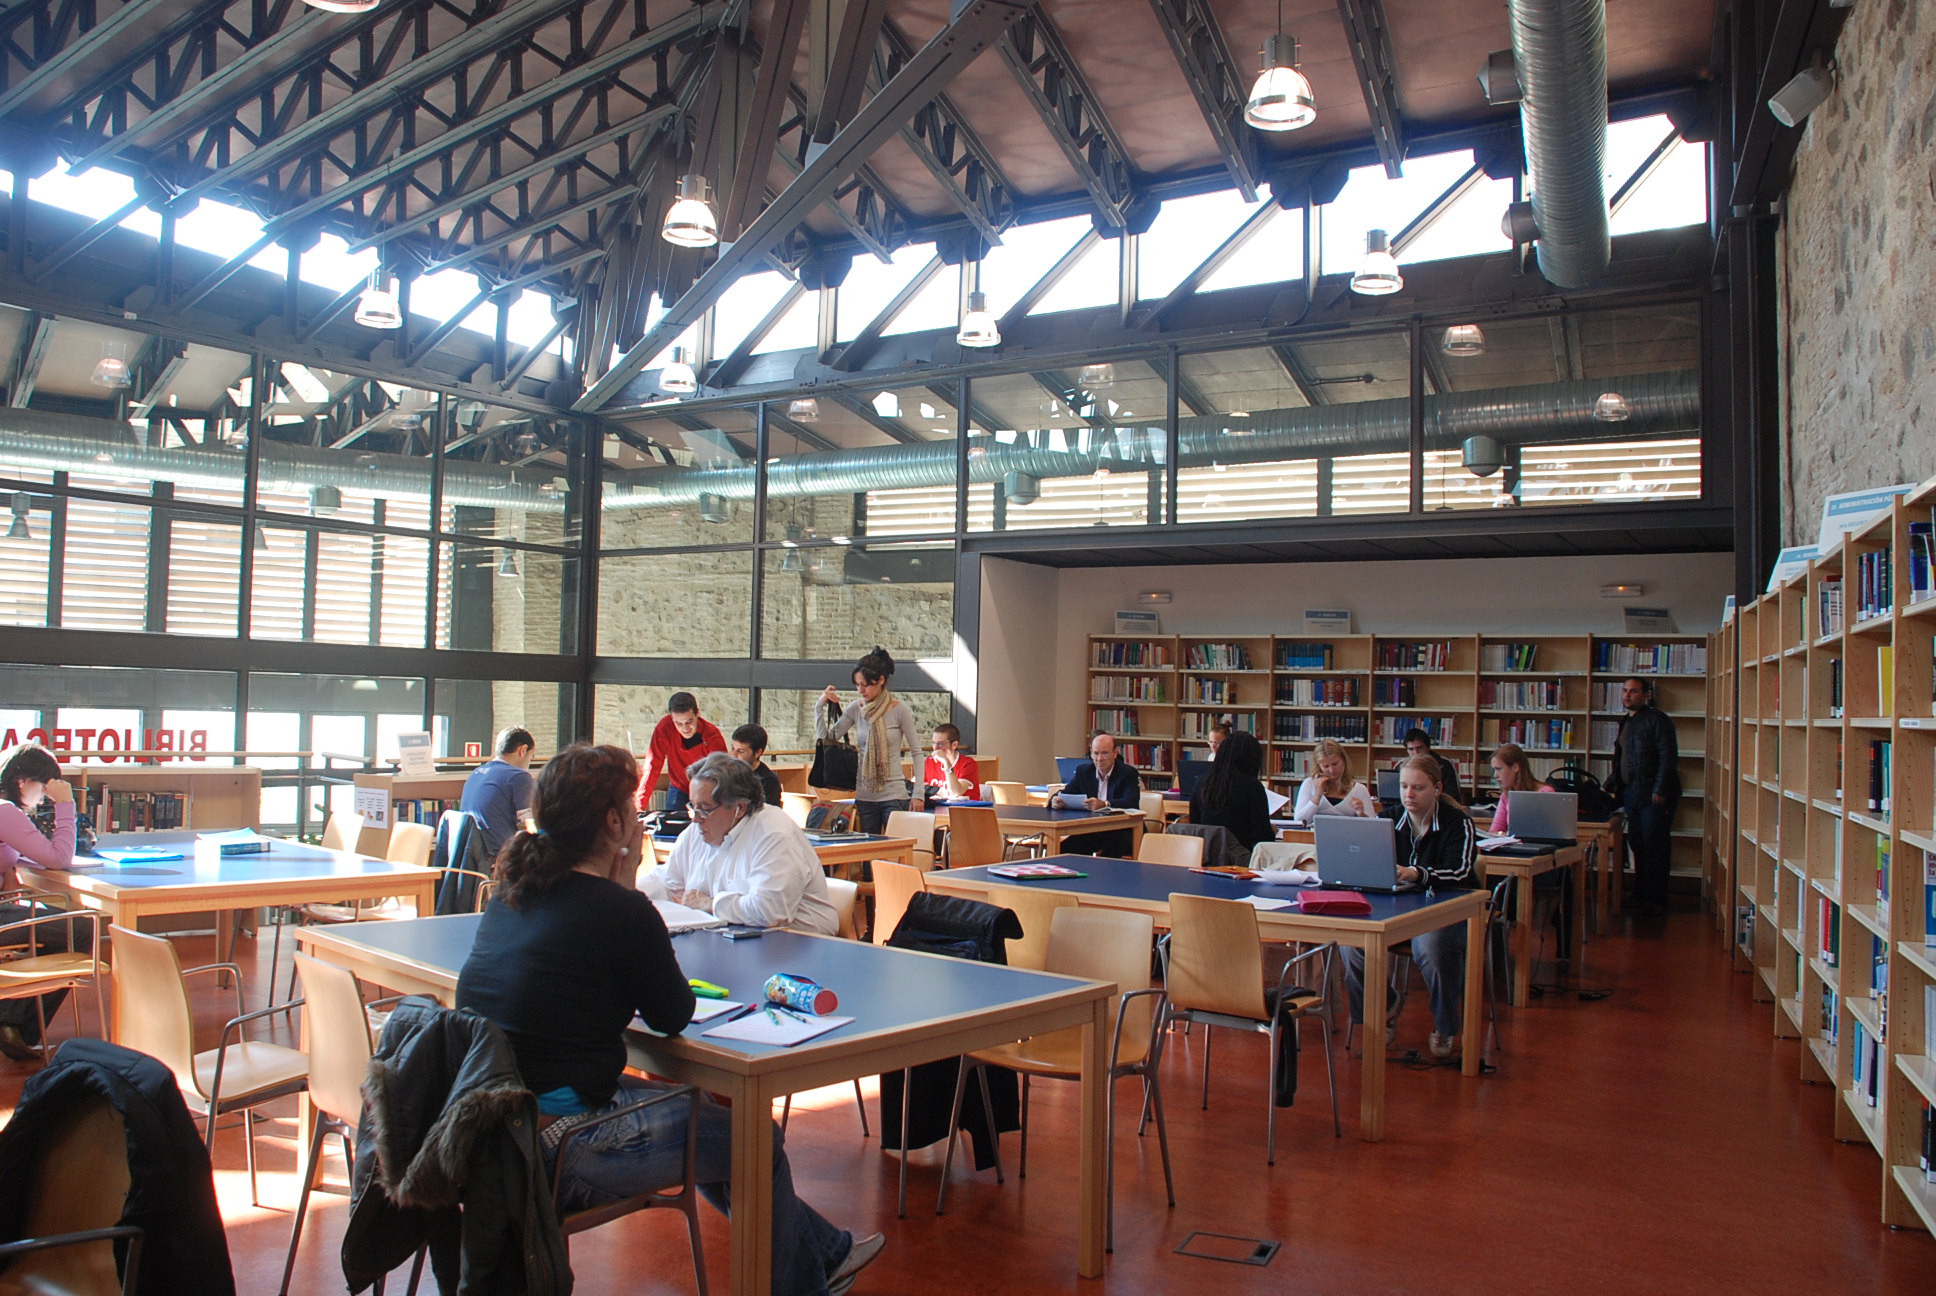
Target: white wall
[[1035, 621]]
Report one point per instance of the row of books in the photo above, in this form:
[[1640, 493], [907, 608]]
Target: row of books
[[1310, 728], [1922, 559], [1828, 609], [1196, 725], [1874, 587], [1131, 653], [1305, 656], [1602, 734], [1552, 734], [1128, 688], [1523, 695], [1835, 688], [1881, 754], [1146, 756], [113, 811], [1401, 691], [1507, 656], [1320, 692], [1117, 720], [1217, 656], [1392, 729], [428, 812], [1650, 659], [1866, 1054], [1214, 691], [1400, 655]]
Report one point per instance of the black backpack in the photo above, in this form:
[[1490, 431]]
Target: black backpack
[[1596, 803]]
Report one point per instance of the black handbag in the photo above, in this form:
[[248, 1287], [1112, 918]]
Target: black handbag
[[836, 762]]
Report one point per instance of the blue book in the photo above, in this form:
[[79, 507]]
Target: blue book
[[239, 841]]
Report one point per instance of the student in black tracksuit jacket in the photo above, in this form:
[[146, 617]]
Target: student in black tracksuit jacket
[[1437, 849]]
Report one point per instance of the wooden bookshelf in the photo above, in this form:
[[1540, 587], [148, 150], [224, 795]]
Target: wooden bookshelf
[[215, 797], [387, 799], [1832, 828]]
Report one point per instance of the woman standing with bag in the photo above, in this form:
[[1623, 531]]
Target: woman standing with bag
[[883, 726]]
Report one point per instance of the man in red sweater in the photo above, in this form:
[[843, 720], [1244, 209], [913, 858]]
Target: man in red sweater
[[681, 740]]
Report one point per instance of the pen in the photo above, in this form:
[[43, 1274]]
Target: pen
[[740, 1012]]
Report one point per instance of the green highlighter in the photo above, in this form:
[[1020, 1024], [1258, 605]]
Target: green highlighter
[[707, 990]]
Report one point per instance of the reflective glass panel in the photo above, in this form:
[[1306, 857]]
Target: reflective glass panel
[[680, 480], [626, 714], [474, 711], [355, 449], [1245, 439], [1061, 448], [838, 601], [506, 600], [511, 476], [676, 605], [843, 465]]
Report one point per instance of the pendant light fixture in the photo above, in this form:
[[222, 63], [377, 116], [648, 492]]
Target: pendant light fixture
[[1378, 276], [378, 306], [1098, 376], [23, 504], [111, 370], [805, 409], [689, 221], [508, 565], [1464, 340], [343, 6], [978, 327], [1612, 407], [677, 377], [1281, 98]]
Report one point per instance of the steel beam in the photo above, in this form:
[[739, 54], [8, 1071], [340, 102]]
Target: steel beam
[[1055, 85], [862, 410], [846, 59], [1203, 56], [941, 138], [1569, 361], [856, 352], [1218, 258], [1369, 36], [925, 76], [1644, 172], [1055, 274], [1417, 226], [1300, 374], [1188, 394], [67, 59], [143, 403], [728, 370], [771, 84], [1800, 30], [38, 338]]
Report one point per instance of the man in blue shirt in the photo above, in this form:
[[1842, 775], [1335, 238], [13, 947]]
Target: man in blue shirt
[[498, 792]]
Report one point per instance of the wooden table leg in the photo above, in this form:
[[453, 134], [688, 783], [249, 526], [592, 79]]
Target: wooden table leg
[[1091, 1223], [1371, 1101], [1617, 866], [752, 1225], [1522, 941], [1475, 991], [1604, 862], [1576, 943]]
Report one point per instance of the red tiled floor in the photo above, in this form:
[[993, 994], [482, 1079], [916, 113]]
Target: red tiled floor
[[1654, 1141]]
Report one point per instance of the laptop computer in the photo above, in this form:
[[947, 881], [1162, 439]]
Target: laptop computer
[[1066, 766], [1357, 854], [1542, 821], [1388, 785], [1189, 777]]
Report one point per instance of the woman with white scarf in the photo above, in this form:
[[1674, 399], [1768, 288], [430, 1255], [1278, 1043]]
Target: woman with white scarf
[[883, 726]]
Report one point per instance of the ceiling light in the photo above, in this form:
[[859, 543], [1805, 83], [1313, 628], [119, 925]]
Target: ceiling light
[[1097, 376], [712, 508], [1464, 340], [261, 538], [790, 561], [978, 328], [23, 503], [508, 565], [689, 221], [1482, 456], [1378, 276], [1612, 407], [842, 540], [1021, 488], [112, 368], [1281, 99], [377, 307], [678, 377], [792, 540], [804, 410], [887, 405], [325, 499], [343, 6]]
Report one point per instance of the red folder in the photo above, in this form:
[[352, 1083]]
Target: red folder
[[1348, 904]]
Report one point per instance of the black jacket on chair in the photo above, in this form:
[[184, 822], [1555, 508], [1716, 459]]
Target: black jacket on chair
[[171, 1194], [460, 844], [447, 1154], [979, 932]]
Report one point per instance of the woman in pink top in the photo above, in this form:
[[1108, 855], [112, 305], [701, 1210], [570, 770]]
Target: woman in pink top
[[28, 774], [1509, 770]]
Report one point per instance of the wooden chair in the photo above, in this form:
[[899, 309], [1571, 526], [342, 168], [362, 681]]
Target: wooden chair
[[918, 824], [1151, 804], [38, 974], [1168, 848], [1102, 945], [152, 1016], [974, 837], [1005, 793], [894, 885], [797, 805], [682, 1197], [1036, 910], [342, 830], [1214, 971], [80, 1189]]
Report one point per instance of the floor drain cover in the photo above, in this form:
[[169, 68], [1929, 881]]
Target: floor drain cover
[[1230, 1249]]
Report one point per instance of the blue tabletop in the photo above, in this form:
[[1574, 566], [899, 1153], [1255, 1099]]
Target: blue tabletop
[[1043, 814], [1155, 883], [883, 989], [202, 864], [817, 838]]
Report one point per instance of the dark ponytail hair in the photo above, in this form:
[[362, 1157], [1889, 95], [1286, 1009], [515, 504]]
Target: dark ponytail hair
[[1240, 760], [573, 793], [27, 761], [876, 666]]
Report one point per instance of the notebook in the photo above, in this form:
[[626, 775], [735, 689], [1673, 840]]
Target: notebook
[[1357, 854]]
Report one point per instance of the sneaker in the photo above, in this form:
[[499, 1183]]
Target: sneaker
[[859, 1255], [1442, 1045], [15, 1046]]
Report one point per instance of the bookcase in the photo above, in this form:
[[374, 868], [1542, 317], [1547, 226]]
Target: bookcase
[[388, 799], [1830, 742], [1557, 696], [119, 798]]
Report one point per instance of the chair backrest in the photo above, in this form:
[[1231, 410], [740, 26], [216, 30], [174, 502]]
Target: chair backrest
[[1221, 849], [342, 830], [338, 1033], [1107, 945], [1283, 855], [460, 851], [1216, 963], [1151, 804], [845, 896], [918, 824], [1005, 793], [1171, 848], [81, 1184], [152, 1015], [796, 805], [1037, 910], [894, 886], [974, 836], [410, 843]]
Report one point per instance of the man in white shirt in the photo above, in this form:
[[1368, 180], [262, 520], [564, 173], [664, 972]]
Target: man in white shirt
[[742, 860]]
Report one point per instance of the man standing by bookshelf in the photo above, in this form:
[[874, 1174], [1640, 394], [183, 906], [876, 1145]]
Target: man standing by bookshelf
[[498, 792], [1647, 782]]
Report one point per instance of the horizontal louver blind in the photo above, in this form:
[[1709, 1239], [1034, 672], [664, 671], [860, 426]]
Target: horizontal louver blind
[[406, 590], [343, 579], [204, 577], [278, 585], [104, 571]]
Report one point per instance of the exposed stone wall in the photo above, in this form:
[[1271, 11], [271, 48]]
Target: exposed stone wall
[[1858, 278]]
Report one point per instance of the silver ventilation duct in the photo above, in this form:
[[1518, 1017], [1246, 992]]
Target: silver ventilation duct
[[1560, 51], [1664, 405]]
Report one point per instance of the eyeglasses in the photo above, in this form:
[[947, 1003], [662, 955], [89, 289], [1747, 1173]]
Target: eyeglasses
[[703, 813]]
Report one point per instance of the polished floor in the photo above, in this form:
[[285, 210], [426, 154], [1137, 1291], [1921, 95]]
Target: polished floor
[[1655, 1141]]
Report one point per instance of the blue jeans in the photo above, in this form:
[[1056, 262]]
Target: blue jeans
[[676, 797], [1440, 956], [645, 1152], [871, 816]]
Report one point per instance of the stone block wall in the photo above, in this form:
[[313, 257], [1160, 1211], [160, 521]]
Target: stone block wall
[[1858, 271]]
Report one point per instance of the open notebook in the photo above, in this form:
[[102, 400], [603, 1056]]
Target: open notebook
[[682, 918]]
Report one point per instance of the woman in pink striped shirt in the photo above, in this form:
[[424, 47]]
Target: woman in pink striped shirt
[[28, 774]]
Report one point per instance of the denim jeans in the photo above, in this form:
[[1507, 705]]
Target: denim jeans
[[676, 797], [644, 1152], [1440, 956], [871, 816]]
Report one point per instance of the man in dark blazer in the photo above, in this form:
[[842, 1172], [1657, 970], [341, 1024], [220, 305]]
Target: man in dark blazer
[[1105, 780]]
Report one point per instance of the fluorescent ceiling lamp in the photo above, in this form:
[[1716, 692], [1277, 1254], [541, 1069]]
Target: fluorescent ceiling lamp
[[804, 410], [1464, 340], [978, 327], [343, 6], [508, 565], [678, 377], [377, 307], [1379, 275], [1612, 407], [1281, 99], [689, 221]]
